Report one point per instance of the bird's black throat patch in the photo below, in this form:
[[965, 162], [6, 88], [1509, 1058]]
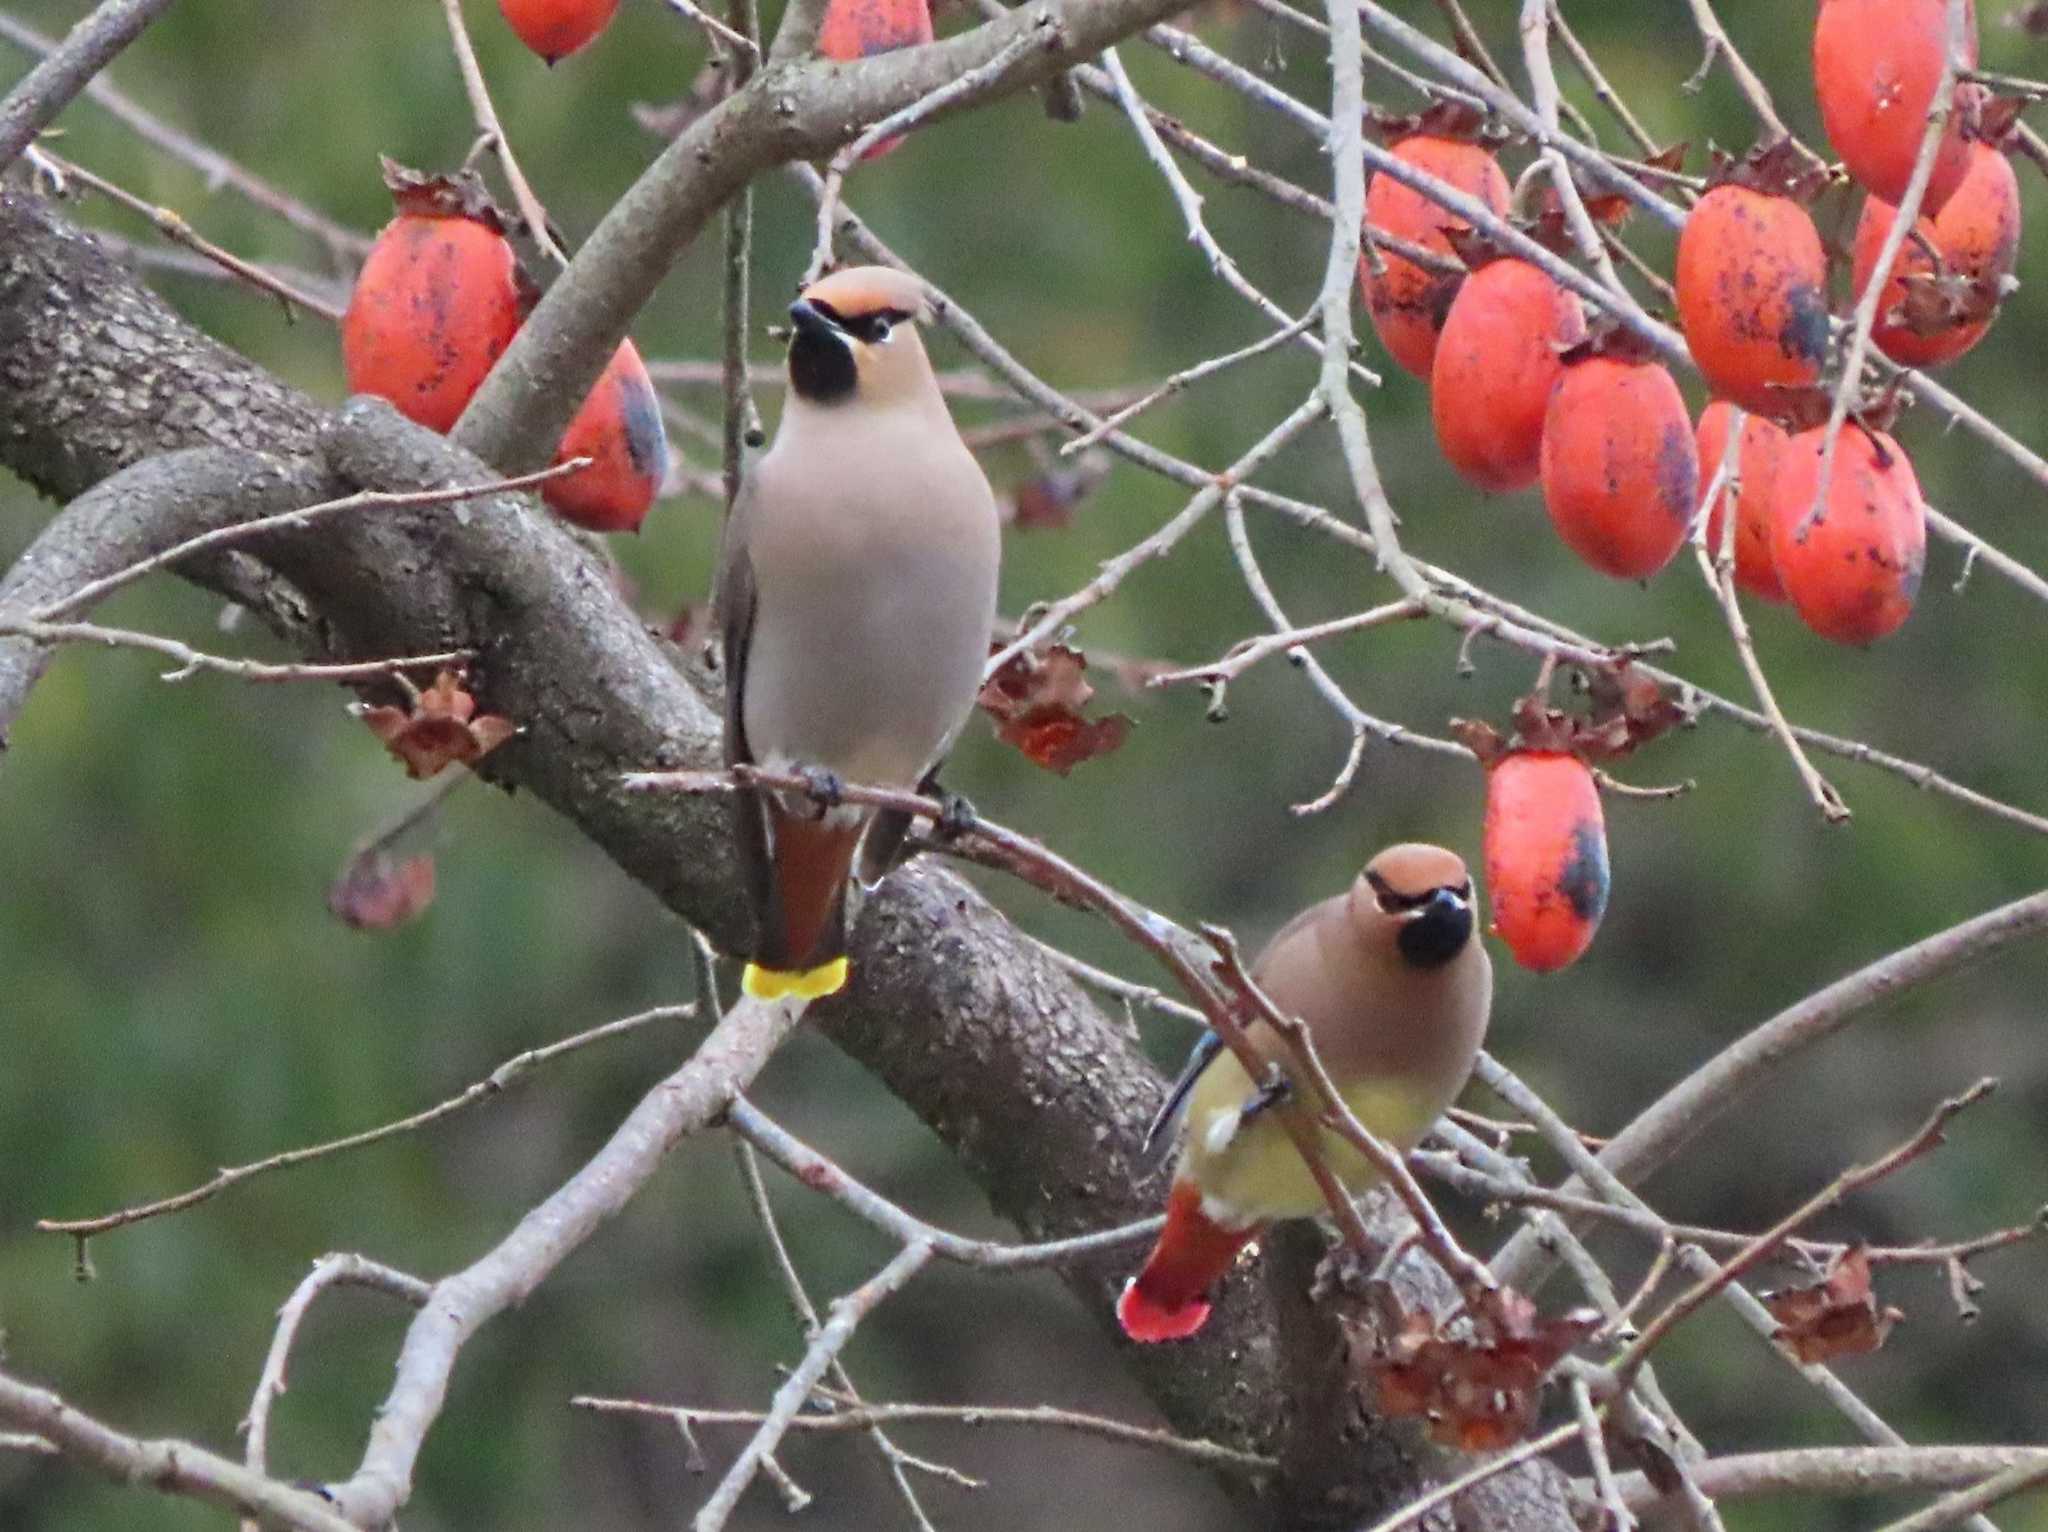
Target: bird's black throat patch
[[821, 366], [1436, 935]]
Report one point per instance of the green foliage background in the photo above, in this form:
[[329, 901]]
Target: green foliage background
[[174, 996]]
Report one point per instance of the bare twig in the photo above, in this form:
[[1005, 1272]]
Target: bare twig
[[1189, 201], [49, 87], [740, 427], [496, 1083], [95, 591], [968, 84], [1179, 381], [337, 1270], [174, 228], [1849, 385], [1061, 612], [1594, 1435], [831, 1339], [1758, 1249], [820, 1174], [461, 1304], [1715, 37], [190, 661], [171, 1467], [1718, 570], [1961, 1507], [1247, 652], [894, 1459], [861, 1417], [1412, 1513], [487, 123], [1842, 1471], [743, 43]]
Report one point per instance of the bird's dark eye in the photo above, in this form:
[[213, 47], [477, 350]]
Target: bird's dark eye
[[871, 328]]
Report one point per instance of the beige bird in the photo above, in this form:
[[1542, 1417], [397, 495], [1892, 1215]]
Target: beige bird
[[1395, 991], [856, 594]]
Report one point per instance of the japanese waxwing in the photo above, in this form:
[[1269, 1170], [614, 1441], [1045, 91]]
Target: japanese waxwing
[[856, 594], [1395, 990]]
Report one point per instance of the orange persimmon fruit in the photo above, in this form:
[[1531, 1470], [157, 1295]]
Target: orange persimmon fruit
[[1496, 363], [557, 28], [438, 299], [1756, 489], [1620, 467], [853, 29], [1876, 67], [619, 428], [1753, 295], [1408, 303], [1949, 303], [1853, 570], [1545, 842]]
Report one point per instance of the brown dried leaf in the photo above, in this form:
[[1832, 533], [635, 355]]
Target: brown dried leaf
[[1777, 169], [1836, 1316], [460, 194], [1036, 700], [1994, 119], [1048, 500], [1936, 301], [1626, 710], [1609, 337], [376, 892], [1449, 118], [439, 728], [700, 96], [1480, 1389]]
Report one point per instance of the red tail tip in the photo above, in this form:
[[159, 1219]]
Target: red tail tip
[[1145, 1319]]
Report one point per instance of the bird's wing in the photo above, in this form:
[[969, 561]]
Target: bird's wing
[[1207, 1046], [734, 599]]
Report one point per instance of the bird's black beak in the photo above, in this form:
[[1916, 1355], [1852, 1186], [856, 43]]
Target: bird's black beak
[[821, 361], [808, 321]]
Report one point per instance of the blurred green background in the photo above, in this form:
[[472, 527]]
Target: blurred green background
[[176, 996]]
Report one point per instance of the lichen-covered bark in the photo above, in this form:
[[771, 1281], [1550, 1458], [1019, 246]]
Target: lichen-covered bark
[[1042, 1096]]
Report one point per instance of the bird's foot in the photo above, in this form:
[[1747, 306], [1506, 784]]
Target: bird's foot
[[826, 787], [956, 816], [1277, 1091]]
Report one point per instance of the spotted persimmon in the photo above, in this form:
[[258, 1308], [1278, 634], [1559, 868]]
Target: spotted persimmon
[[1753, 295], [1755, 493], [1620, 469], [1546, 856], [1496, 363], [1876, 67], [619, 429], [1407, 302], [438, 299], [1945, 286], [854, 29], [557, 28], [1853, 569]]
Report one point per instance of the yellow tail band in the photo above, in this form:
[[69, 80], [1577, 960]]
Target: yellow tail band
[[805, 984]]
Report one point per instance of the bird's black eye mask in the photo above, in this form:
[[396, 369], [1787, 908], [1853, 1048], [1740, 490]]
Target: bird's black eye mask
[[872, 327], [1435, 924], [821, 365], [1393, 902]]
